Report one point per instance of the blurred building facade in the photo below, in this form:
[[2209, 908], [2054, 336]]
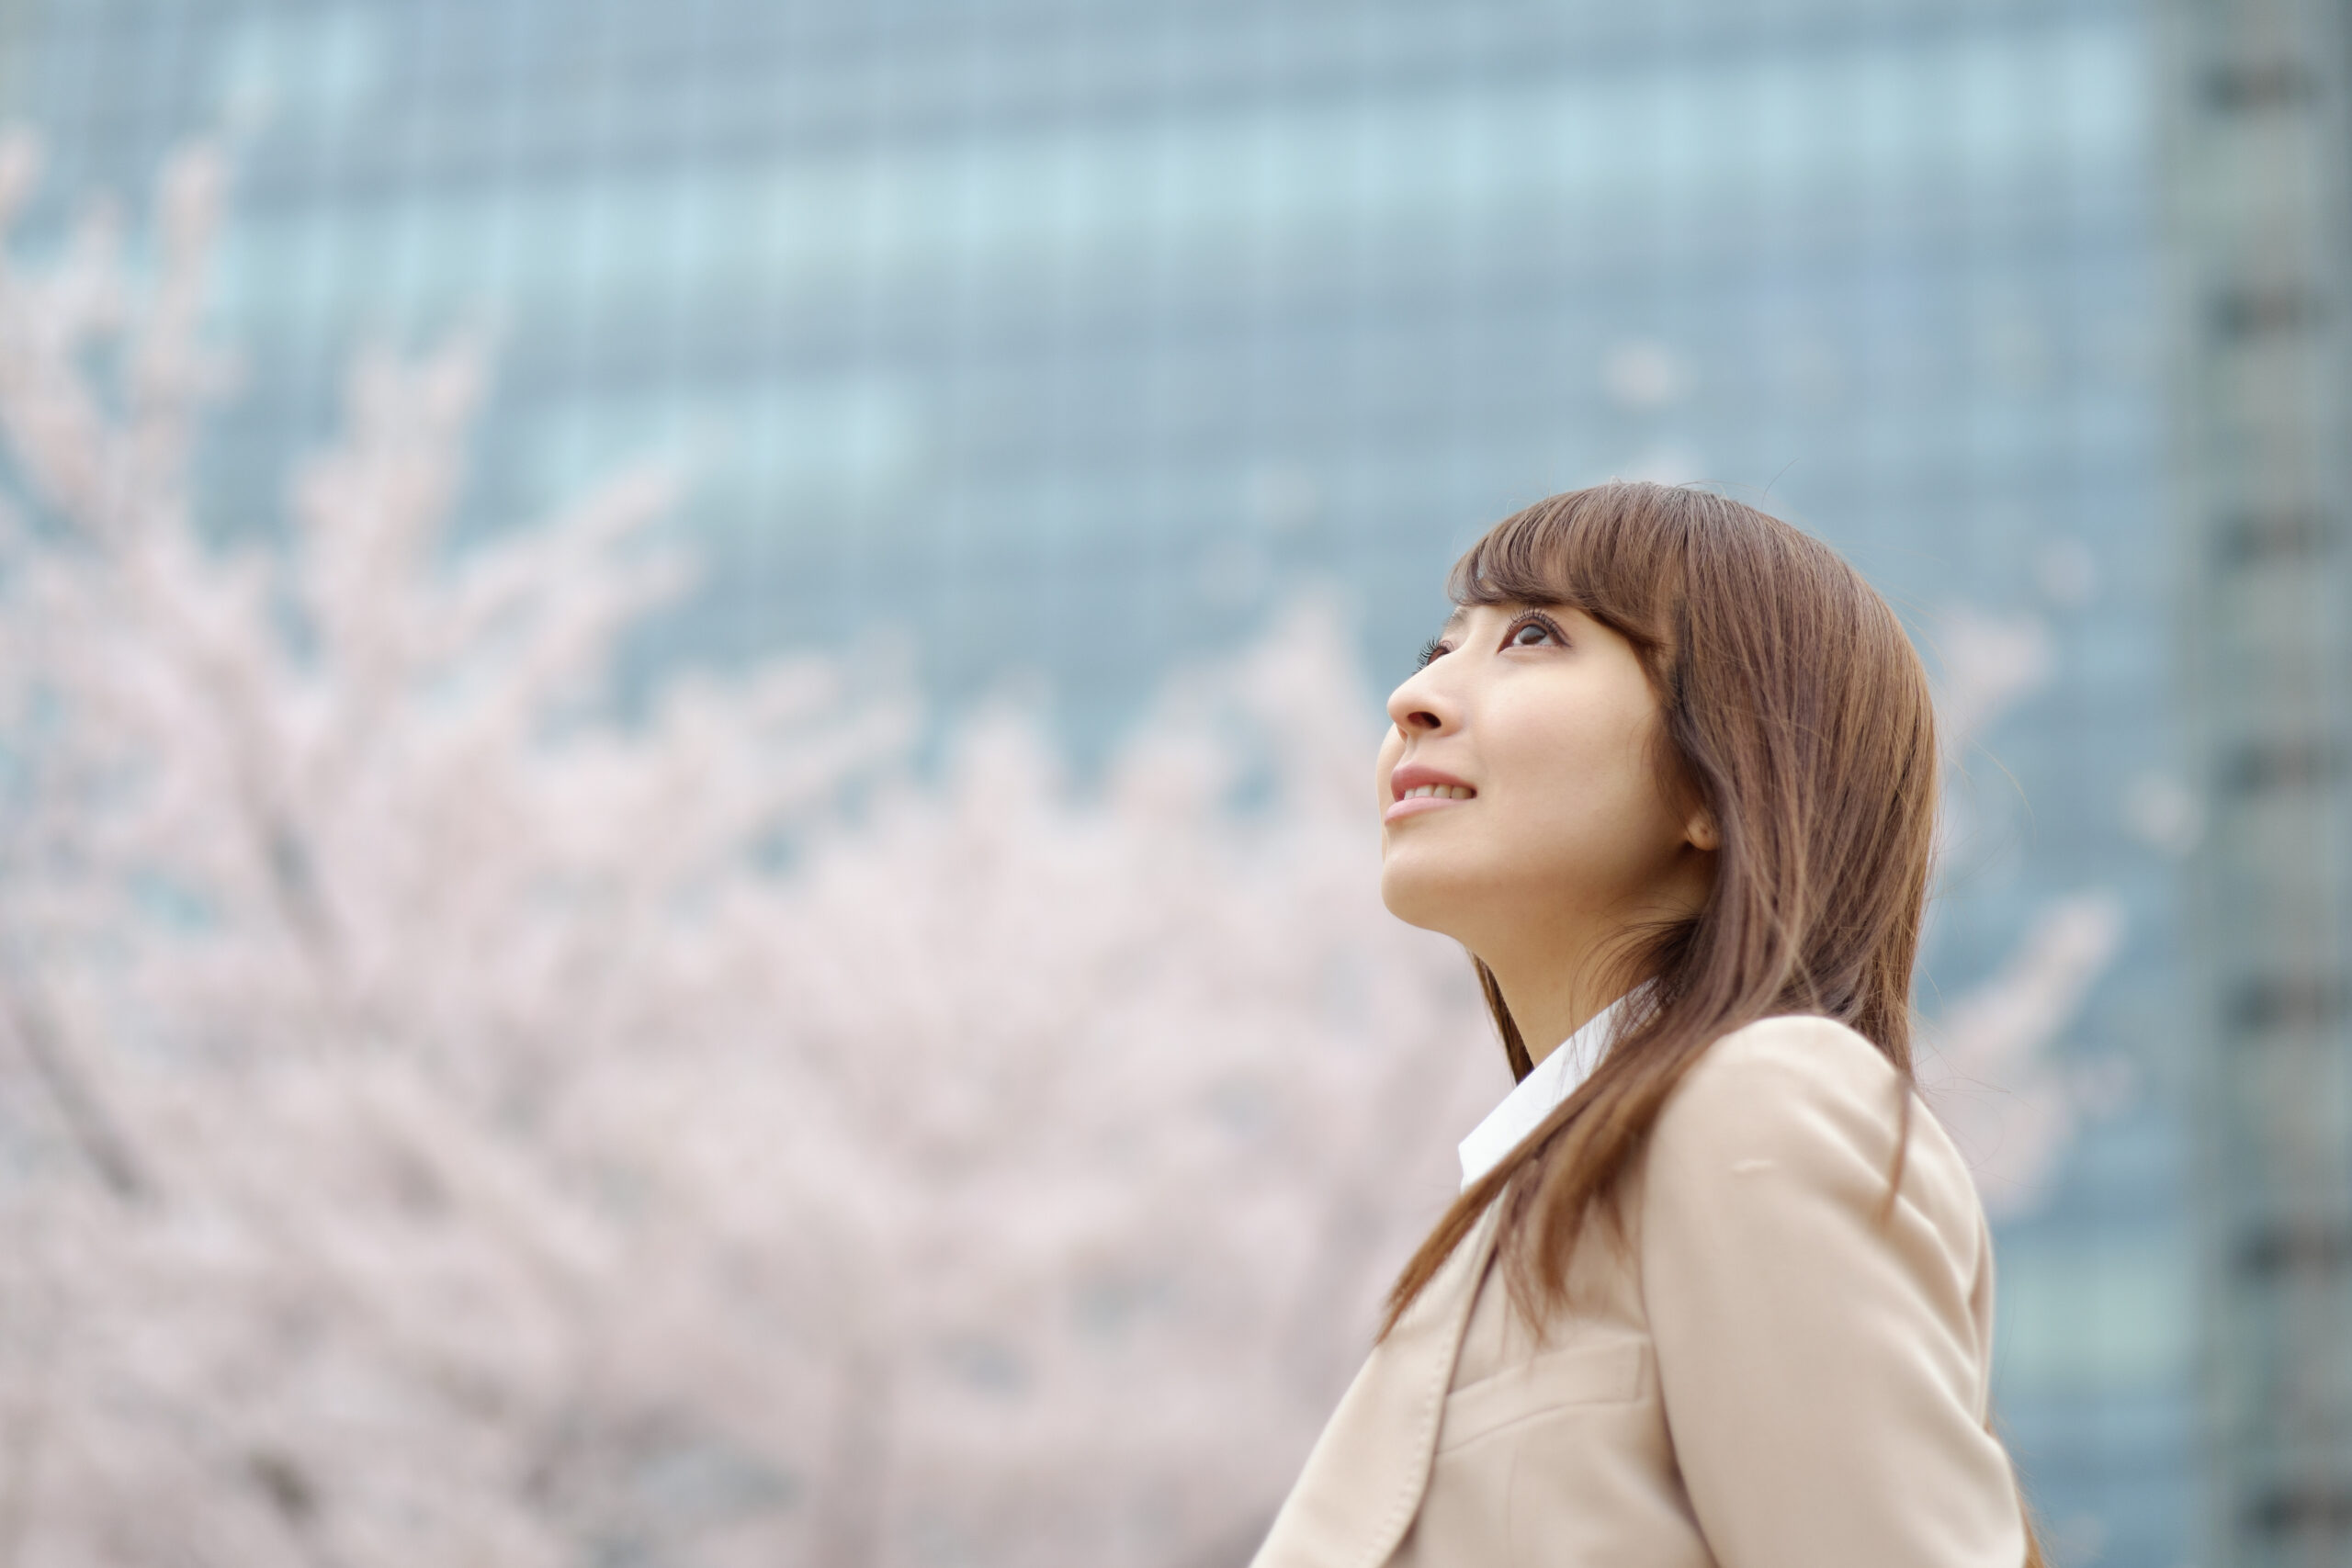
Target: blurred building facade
[[2261, 155], [1036, 340]]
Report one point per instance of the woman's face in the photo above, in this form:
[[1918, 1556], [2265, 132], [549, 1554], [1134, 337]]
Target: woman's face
[[1522, 808]]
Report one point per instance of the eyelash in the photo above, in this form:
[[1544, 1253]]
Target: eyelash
[[1437, 646], [1534, 618]]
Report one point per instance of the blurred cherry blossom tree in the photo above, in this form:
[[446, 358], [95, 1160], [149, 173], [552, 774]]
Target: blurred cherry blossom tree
[[1991, 1060], [438, 1131], [447, 1120]]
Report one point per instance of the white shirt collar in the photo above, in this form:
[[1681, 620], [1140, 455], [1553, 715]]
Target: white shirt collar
[[1538, 1094]]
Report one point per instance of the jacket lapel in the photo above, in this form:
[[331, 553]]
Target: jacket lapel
[[1365, 1479]]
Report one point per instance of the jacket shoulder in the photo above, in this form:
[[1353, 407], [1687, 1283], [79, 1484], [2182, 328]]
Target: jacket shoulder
[[1824, 1354], [1780, 1064], [1809, 1094]]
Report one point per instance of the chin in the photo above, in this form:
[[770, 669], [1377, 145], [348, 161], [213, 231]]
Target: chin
[[1423, 896]]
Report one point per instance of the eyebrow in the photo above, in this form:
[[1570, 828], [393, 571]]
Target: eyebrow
[[1461, 612]]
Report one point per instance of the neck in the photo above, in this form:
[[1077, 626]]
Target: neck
[[1555, 974], [1551, 1002]]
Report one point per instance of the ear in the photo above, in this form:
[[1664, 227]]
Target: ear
[[1701, 831]]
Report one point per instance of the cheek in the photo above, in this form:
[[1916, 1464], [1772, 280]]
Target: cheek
[[1580, 791]]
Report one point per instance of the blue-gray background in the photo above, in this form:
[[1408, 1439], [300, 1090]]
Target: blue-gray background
[[1058, 341]]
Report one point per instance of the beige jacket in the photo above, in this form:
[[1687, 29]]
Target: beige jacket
[[1762, 1375]]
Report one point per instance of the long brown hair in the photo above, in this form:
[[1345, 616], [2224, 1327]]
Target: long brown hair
[[1797, 711]]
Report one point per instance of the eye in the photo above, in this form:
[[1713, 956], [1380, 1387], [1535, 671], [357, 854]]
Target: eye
[[1534, 631], [1434, 648]]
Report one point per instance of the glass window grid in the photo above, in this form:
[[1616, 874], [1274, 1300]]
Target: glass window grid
[[599, 158]]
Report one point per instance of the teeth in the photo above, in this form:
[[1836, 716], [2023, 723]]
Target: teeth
[[1439, 792]]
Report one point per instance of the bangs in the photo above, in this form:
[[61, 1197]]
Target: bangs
[[1614, 551]]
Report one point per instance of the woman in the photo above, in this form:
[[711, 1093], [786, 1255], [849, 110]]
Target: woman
[[1716, 1291]]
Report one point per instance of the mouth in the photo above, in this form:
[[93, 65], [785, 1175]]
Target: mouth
[[1417, 790]]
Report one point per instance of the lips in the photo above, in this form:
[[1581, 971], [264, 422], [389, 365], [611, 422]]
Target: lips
[[1414, 789]]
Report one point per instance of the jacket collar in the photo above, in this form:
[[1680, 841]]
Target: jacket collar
[[1365, 1479]]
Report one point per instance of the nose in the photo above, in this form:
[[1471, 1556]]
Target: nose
[[1421, 705]]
